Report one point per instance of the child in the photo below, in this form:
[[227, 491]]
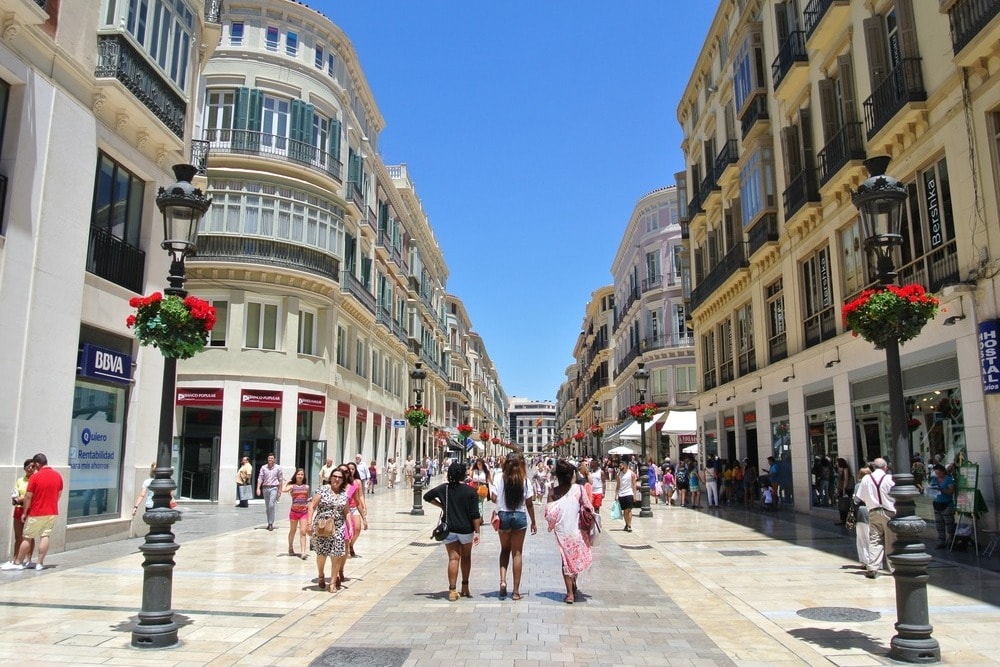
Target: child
[[767, 497]]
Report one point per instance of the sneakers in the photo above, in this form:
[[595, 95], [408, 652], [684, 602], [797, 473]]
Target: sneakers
[[11, 565], [39, 567]]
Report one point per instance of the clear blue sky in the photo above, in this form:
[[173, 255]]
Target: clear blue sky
[[530, 129]]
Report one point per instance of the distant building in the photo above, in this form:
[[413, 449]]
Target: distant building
[[532, 424]]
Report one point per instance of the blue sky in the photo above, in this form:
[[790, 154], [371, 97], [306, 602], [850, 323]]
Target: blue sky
[[530, 130]]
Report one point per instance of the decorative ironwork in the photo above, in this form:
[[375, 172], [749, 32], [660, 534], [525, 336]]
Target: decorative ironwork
[[904, 84], [350, 284], [727, 156], [968, 18], [791, 52], [272, 252], [844, 146], [199, 155], [111, 258], [763, 232], [213, 11], [800, 190], [755, 111], [118, 59], [814, 13], [732, 261], [248, 142]]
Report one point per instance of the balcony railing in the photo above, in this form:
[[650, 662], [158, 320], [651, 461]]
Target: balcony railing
[[666, 339], [933, 270], [630, 298], [357, 197], [756, 111], [820, 327], [384, 317], [813, 14], [270, 252], [727, 156], [350, 284], [904, 84], [112, 259], [708, 380], [791, 52], [708, 184], [845, 146], [777, 347], [249, 142], [199, 155], [968, 18], [117, 59], [685, 230], [629, 357], [732, 261], [802, 189], [649, 284], [764, 231], [694, 206], [213, 11]]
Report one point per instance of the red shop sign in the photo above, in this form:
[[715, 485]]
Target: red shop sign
[[362, 415], [260, 398], [750, 417], [687, 439], [199, 396], [343, 409], [729, 422], [313, 402]]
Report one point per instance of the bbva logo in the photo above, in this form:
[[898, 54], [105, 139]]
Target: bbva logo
[[112, 363]]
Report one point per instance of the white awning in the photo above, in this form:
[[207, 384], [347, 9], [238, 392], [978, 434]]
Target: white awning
[[633, 432], [681, 422]]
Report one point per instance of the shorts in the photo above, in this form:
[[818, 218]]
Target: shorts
[[513, 520], [626, 502], [682, 486], [461, 538], [18, 513], [39, 526], [298, 516], [598, 498]]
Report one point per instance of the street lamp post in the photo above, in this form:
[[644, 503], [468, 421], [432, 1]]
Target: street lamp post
[[417, 376], [182, 206], [576, 442], [465, 420], [879, 200], [641, 376], [596, 409]]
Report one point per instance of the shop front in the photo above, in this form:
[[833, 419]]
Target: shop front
[[310, 452], [260, 414], [196, 462]]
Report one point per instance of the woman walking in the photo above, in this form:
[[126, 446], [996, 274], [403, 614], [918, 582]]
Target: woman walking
[[944, 505], [480, 479], [358, 506], [512, 494], [562, 514], [845, 490], [624, 492], [461, 508], [329, 503], [298, 515], [695, 483]]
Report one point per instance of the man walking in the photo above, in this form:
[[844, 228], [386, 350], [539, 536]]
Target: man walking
[[243, 478], [324, 472], [362, 471], [269, 483], [873, 491], [41, 506]]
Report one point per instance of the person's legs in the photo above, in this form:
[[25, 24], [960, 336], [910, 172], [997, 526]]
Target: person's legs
[[303, 524], [356, 521], [627, 514], [713, 494], [570, 581], [18, 534], [862, 541], [43, 548], [454, 559], [465, 551], [321, 570], [270, 503], [337, 570], [293, 524], [505, 539], [878, 523], [516, 552]]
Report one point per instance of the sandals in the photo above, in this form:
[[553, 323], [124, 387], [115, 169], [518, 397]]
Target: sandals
[[503, 591], [465, 589], [291, 552], [568, 599], [321, 582], [452, 595], [336, 585], [515, 597]]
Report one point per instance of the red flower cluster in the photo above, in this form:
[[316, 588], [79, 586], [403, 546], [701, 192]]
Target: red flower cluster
[[484, 436], [200, 310], [465, 429], [495, 441], [890, 313], [578, 436], [140, 301], [642, 411], [597, 430]]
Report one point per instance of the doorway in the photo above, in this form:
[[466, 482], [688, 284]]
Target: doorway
[[310, 455], [199, 468]]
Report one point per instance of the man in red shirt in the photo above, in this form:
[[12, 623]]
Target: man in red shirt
[[41, 506]]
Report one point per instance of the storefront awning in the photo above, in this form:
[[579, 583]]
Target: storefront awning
[[681, 422], [634, 432], [612, 434]]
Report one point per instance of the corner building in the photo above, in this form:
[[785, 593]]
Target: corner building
[[785, 102]]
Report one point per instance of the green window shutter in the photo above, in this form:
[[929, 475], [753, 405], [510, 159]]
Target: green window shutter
[[301, 131], [255, 113], [240, 118], [334, 144]]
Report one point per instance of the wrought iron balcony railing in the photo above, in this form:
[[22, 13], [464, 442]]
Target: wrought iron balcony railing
[[800, 190], [968, 18], [904, 84], [249, 142], [266, 251], [791, 52], [813, 14], [727, 156], [846, 145], [350, 284], [756, 111], [112, 259], [764, 231], [732, 261]]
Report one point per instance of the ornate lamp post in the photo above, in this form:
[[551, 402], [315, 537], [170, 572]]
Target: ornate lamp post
[[879, 201], [465, 420], [417, 376], [182, 206], [596, 410], [641, 377]]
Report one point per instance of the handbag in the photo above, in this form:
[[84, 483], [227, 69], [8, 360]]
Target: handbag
[[324, 527], [616, 510], [586, 519], [495, 521], [441, 530]]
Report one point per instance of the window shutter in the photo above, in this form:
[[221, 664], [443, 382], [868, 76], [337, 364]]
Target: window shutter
[[790, 149], [334, 143], [877, 46], [781, 27], [907, 28], [806, 140], [828, 109], [242, 108], [848, 96], [256, 109]]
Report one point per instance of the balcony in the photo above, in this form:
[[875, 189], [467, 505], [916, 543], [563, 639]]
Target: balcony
[[820, 327], [260, 144], [732, 261], [665, 340], [903, 85], [845, 146], [111, 258], [791, 65], [764, 231], [355, 195], [629, 357], [630, 298], [755, 115], [350, 284], [801, 190], [824, 20], [199, 155], [266, 252], [117, 59], [213, 11], [650, 284], [709, 186], [933, 270], [726, 158], [968, 18], [383, 240], [384, 317], [694, 206]]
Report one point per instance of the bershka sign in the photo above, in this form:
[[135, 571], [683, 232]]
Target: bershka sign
[[313, 402], [104, 364], [260, 398], [989, 356], [198, 396]]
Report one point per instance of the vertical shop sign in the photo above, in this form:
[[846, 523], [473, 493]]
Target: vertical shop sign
[[988, 356]]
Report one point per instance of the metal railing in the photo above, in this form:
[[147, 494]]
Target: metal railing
[[111, 258], [813, 14], [384, 317], [649, 284], [756, 111], [777, 347], [117, 59], [904, 84], [933, 270], [791, 52], [800, 190], [213, 11], [846, 145], [727, 156], [356, 196], [764, 231], [708, 379], [667, 339], [200, 149], [694, 206], [726, 371], [250, 142], [629, 357], [708, 185], [266, 251], [732, 261], [748, 361], [630, 299], [350, 284], [968, 18]]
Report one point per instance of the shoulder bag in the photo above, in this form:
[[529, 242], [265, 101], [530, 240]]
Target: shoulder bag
[[441, 530]]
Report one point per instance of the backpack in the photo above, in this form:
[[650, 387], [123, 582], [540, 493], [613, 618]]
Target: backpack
[[681, 476]]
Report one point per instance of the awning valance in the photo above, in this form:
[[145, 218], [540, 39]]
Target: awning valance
[[681, 422]]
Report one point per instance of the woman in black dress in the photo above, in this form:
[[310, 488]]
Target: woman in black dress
[[461, 505]]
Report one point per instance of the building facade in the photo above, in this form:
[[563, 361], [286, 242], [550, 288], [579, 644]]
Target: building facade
[[784, 104], [532, 425]]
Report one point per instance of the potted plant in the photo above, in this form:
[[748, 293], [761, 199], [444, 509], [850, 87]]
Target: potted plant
[[643, 412], [417, 416], [597, 430], [178, 327], [465, 430], [890, 313], [484, 437]]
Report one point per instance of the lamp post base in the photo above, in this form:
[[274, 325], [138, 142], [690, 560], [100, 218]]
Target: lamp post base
[[418, 496]]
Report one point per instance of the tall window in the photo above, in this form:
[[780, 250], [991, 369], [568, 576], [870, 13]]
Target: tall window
[[744, 339], [320, 57], [757, 184], [852, 266], [929, 229], [776, 338], [219, 114], [271, 38], [118, 201], [274, 129], [653, 271], [236, 33], [341, 346], [708, 357], [217, 337], [817, 295], [165, 30], [307, 332], [261, 326], [292, 43], [687, 379], [359, 357]]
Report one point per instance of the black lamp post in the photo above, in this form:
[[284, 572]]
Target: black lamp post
[[596, 409], [417, 376], [465, 420], [641, 377], [182, 206], [576, 443], [880, 200]]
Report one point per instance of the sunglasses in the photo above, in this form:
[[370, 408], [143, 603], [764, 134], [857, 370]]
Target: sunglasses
[[337, 476]]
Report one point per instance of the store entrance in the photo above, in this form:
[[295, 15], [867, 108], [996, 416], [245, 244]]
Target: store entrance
[[199, 468], [310, 455]]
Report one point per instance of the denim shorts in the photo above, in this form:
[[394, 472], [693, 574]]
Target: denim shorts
[[513, 520]]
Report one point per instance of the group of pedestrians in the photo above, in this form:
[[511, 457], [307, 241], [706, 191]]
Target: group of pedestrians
[[35, 499]]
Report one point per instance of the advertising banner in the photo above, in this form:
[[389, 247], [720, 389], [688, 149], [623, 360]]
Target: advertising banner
[[95, 445]]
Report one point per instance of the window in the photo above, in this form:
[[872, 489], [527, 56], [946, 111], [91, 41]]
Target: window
[[165, 30], [687, 379], [271, 39], [219, 115], [817, 294], [744, 340], [261, 326], [118, 201], [852, 265], [307, 332], [274, 128], [359, 357], [680, 326], [217, 337], [341, 346], [320, 57], [757, 185], [236, 33], [708, 358], [928, 224], [777, 343], [659, 380], [292, 43], [748, 69], [676, 261], [653, 271]]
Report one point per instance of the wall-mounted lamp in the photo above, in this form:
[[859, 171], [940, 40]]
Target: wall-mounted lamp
[[760, 385], [732, 396], [788, 378], [955, 319]]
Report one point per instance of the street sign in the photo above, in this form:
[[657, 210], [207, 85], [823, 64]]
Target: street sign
[[399, 423]]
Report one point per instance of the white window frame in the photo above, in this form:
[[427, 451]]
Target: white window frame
[[307, 339], [264, 304]]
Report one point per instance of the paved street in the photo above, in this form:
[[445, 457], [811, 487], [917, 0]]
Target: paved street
[[685, 588]]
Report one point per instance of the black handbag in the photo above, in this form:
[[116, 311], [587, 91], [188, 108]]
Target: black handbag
[[441, 530]]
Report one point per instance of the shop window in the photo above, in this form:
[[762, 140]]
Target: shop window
[[261, 326], [307, 332], [95, 452], [217, 337]]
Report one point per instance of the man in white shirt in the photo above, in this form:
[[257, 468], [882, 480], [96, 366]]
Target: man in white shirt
[[324, 472], [873, 491], [362, 470]]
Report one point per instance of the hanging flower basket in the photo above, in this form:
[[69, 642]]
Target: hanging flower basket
[[178, 327], [417, 416], [597, 430], [890, 314], [495, 441], [484, 437], [465, 430], [578, 436], [643, 412]]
